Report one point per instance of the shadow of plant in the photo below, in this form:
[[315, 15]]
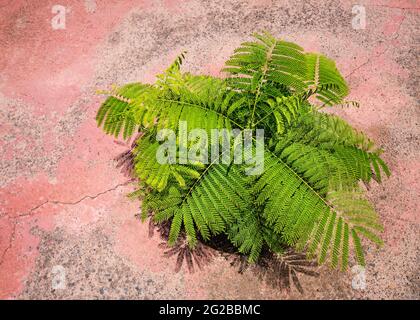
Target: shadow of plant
[[280, 271]]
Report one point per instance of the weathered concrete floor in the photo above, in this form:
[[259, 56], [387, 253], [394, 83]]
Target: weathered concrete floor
[[62, 201]]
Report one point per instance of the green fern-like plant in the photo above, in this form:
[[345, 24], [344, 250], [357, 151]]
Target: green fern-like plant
[[310, 193]]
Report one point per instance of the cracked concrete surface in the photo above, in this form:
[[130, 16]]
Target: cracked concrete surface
[[62, 201]]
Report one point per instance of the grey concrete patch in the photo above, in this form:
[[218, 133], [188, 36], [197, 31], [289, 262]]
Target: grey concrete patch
[[93, 271]]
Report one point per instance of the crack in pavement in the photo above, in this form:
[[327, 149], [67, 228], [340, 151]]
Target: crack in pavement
[[29, 213], [9, 246], [378, 55], [73, 202]]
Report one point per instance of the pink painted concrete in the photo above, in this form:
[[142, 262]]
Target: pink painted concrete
[[62, 202]]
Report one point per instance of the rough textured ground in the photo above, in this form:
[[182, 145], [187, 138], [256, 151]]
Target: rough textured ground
[[62, 202]]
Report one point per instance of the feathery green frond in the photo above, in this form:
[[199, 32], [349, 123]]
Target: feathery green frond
[[214, 201], [116, 113], [254, 64], [304, 217], [155, 174], [322, 71]]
